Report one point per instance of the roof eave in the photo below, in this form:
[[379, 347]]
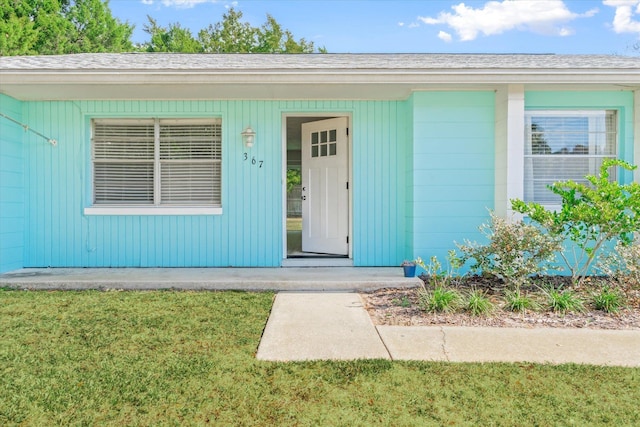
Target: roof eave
[[292, 84]]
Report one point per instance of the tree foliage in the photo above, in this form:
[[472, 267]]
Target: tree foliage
[[173, 38], [48, 27], [231, 35], [53, 27]]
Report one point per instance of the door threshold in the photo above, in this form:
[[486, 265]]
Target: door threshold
[[317, 262]]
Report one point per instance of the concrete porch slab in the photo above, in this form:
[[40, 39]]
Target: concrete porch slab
[[260, 279]]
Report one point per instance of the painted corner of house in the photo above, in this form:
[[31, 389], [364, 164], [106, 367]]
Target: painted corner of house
[[11, 185]]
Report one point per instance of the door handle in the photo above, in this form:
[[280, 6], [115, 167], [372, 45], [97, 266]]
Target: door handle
[[304, 197], [304, 188]]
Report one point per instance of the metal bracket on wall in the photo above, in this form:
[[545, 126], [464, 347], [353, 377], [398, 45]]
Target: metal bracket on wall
[[27, 128]]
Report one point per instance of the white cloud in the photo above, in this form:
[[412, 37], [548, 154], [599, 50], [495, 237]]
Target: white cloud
[[496, 17], [565, 32], [410, 25], [623, 21], [444, 36], [180, 4]]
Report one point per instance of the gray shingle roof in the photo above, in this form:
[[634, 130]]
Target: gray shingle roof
[[310, 62]]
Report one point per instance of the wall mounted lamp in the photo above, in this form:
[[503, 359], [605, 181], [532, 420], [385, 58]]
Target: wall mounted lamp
[[248, 136]]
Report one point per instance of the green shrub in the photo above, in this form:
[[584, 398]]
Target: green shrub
[[477, 303], [440, 299], [592, 214], [515, 251], [608, 299], [622, 264], [437, 276], [293, 178]]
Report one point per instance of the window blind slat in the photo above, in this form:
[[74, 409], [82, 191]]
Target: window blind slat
[[190, 142], [190, 183], [123, 141], [116, 183]]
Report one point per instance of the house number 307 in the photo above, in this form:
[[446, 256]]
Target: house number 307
[[254, 162]]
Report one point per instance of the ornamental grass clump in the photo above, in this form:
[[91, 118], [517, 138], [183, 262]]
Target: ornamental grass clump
[[514, 252], [519, 302], [440, 299], [563, 301], [477, 303], [609, 300]]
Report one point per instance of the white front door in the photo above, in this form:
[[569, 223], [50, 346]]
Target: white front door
[[325, 193]]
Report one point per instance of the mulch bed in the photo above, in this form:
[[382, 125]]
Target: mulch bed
[[395, 306]]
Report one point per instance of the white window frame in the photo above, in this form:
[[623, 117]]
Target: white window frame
[[157, 207], [594, 169]]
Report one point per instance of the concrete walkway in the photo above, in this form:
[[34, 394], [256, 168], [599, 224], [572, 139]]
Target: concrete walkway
[[312, 326]]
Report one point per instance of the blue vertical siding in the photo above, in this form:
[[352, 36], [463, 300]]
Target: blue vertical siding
[[381, 148], [453, 168], [249, 231], [11, 186], [422, 178]]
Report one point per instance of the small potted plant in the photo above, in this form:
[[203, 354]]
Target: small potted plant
[[409, 268]]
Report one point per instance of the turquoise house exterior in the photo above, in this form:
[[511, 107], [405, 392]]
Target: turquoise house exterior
[[433, 142]]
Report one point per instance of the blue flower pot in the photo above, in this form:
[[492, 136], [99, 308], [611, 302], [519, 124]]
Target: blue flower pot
[[409, 270]]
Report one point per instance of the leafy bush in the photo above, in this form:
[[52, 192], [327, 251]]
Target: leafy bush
[[591, 215], [608, 299], [293, 178], [622, 264], [477, 303], [563, 301], [515, 251], [436, 275], [440, 299]]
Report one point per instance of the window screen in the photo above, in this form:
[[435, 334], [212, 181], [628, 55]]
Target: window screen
[[157, 162], [565, 145]]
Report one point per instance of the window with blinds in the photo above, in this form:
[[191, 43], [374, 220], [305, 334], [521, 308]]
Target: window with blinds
[[174, 162], [565, 145]]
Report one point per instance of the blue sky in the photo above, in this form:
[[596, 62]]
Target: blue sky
[[470, 26]]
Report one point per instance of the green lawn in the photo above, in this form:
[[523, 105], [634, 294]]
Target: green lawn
[[187, 358], [294, 224]]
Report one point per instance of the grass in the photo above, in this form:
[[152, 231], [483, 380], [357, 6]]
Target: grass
[[187, 358], [294, 224]]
